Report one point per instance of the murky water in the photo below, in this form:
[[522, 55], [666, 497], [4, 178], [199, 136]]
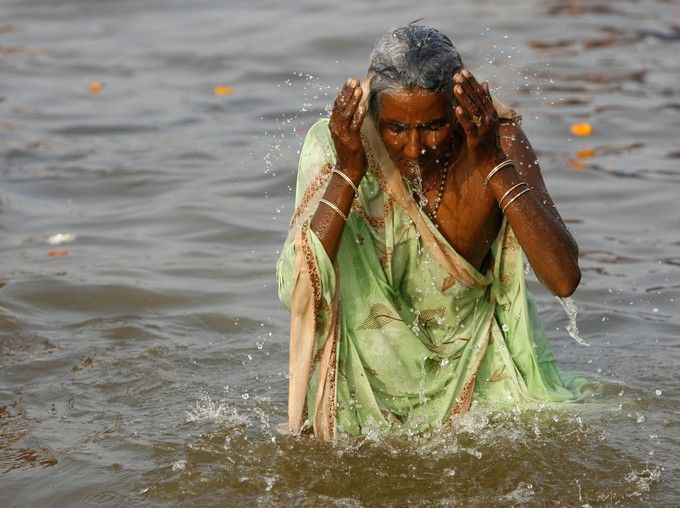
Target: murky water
[[144, 361]]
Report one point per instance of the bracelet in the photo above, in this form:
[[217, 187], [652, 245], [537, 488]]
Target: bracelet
[[506, 162], [347, 178], [515, 197], [328, 203], [510, 190]]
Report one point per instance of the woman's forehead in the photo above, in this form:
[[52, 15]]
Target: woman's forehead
[[414, 106]]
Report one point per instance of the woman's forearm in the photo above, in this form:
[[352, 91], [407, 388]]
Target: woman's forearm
[[547, 243], [327, 222]]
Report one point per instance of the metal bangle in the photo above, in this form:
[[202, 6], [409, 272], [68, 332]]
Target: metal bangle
[[331, 205], [347, 179], [515, 197], [506, 162], [510, 190]]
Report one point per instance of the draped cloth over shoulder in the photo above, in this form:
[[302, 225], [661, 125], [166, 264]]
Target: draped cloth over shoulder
[[400, 332]]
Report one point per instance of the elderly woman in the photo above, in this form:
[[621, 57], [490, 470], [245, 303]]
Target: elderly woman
[[403, 268]]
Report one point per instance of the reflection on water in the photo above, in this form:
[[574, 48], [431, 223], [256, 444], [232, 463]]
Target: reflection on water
[[143, 351]]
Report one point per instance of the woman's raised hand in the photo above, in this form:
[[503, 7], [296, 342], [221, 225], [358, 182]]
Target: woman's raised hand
[[478, 117], [345, 127]]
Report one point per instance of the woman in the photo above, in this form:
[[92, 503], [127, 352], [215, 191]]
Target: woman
[[403, 269]]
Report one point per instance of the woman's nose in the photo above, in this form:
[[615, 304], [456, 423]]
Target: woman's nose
[[412, 145]]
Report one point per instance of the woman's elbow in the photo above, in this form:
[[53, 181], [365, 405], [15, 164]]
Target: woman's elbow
[[568, 282]]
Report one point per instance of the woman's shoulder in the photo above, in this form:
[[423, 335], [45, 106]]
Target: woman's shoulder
[[506, 114], [318, 149]]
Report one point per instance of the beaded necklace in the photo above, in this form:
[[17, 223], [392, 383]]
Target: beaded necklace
[[440, 193]]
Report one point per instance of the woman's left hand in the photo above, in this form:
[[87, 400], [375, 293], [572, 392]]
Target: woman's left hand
[[478, 117]]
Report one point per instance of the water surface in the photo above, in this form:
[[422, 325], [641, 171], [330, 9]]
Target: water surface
[[144, 362]]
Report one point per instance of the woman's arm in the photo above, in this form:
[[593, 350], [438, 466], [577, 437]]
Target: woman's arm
[[540, 230], [518, 188], [345, 125]]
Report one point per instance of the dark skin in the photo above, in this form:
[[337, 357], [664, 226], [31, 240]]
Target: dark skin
[[420, 127]]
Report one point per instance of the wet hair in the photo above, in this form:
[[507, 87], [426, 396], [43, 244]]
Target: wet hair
[[413, 56]]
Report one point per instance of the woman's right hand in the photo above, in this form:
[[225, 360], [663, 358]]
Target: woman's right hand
[[345, 127]]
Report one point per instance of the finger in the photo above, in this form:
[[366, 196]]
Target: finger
[[465, 121], [478, 92], [485, 86], [343, 96], [352, 104], [464, 101], [341, 99], [475, 93], [472, 80], [358, 118]]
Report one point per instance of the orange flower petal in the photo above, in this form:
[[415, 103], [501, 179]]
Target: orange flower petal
[[581, 129], [585, 153], [57, 252], [223, 90], [95, 87], [576, 164]]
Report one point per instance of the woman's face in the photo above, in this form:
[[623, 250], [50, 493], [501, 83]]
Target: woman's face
[[417, 129]]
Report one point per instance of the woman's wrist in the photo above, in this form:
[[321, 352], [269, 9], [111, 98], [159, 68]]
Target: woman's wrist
[[492, 162], [354, 172], [346, 178]]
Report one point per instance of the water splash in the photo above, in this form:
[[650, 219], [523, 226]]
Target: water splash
[[417, 183], [206, 410], [179, 465], [572, 328], [643, 480]]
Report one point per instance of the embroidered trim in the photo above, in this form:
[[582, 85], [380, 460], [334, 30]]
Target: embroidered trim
[[311, 266], [331, 382], [319, 181], [373, 221], [465, 399]]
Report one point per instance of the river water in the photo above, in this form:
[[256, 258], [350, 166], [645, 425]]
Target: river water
[[143, 359]]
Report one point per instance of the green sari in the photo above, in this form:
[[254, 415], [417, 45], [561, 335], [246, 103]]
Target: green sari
[[401, 333]]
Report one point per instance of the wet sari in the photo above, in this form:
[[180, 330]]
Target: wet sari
[[401, 333]]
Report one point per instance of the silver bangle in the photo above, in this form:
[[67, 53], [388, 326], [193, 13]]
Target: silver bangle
[[347, 179], [331, 205], [506, 162], [510, 190], [515, 197]]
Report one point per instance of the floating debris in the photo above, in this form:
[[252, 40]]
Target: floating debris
[[95, 87], [581, 129], [57, 252], [60, 238], [223, 90], [585, 153], [576, 164]]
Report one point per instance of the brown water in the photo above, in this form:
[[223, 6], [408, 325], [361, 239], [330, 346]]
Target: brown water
[[144, 362]]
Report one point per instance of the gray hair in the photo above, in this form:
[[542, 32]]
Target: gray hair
[[413, 56]]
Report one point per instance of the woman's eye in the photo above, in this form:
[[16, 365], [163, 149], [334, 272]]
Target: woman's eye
[[435, 127]]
